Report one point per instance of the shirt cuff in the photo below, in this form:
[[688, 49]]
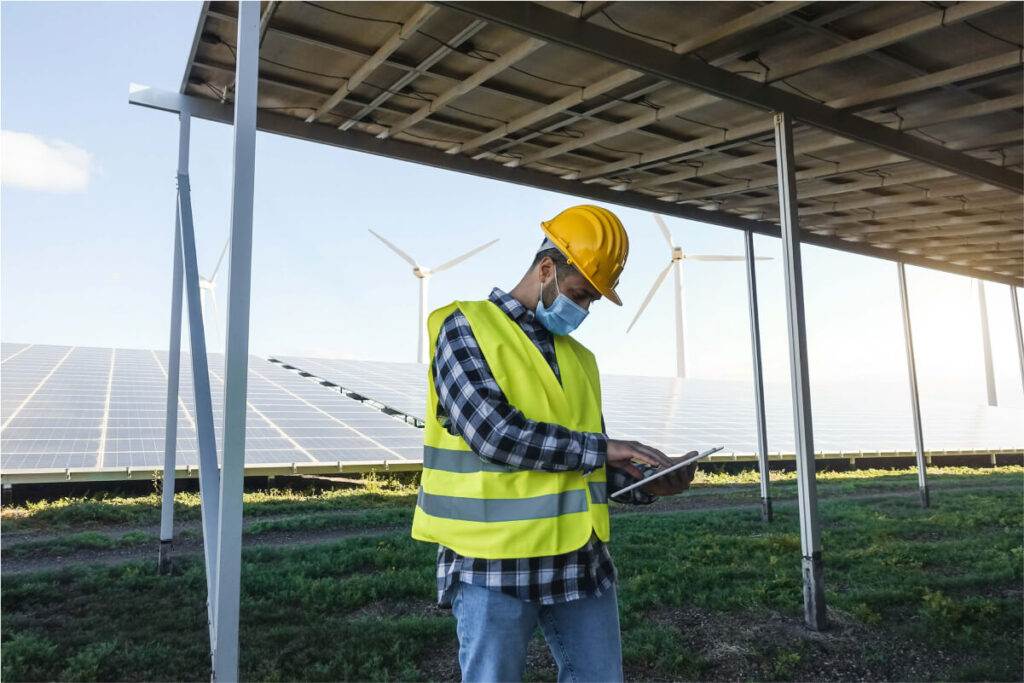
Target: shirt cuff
[[595, 452]]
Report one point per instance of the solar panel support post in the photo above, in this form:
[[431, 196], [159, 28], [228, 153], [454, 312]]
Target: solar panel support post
[[755, 349], [1017, 330], [915, 403], [986, 346], [236, 357], [209, 476], [173, 366], [807, 494]]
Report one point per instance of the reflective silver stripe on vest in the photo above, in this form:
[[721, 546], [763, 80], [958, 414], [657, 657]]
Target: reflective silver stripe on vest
[[460, 462], [598, 491], [502, 509]]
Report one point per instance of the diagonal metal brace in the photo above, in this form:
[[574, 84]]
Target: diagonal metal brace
[[209, 474]]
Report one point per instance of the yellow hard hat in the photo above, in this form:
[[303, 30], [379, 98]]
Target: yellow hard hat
[[594, 242]]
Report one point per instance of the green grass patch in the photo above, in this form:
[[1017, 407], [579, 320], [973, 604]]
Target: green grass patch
[[103, 510], [391, 493], [942, 583]]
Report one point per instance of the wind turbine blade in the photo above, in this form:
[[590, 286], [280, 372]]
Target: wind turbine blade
[[405, 257], [664, 230], [711, 257], [459, 259], [213, 276], [650, 294]]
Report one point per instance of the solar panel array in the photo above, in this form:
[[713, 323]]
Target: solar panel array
[[100, 408], [680, 415], [68, 407]]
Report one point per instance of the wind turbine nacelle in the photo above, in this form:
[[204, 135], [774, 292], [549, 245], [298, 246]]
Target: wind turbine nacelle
[[677, 254], [205, 284], [421, 272]]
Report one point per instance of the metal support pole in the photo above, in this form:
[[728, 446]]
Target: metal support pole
[[209, 477], [915, 404], [807, 494], [986, 346], [173, 368], [1017, 329], [236, 358], [755, 347]]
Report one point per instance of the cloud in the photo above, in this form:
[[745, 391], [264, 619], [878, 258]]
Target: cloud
[[48, 165]]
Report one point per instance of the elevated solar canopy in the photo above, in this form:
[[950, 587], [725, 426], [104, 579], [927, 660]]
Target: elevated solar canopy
[[908, 125], [74, 413], [886, 129]]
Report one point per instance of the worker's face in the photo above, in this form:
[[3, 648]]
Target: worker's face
[[572, 284]]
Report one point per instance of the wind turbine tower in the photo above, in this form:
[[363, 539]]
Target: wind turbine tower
[[676, 265], [208, 288], [423, 274]]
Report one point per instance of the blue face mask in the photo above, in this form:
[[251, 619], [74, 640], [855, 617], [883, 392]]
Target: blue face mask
[[563, 316]]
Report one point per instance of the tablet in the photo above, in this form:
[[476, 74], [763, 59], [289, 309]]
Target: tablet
[[661, 473]]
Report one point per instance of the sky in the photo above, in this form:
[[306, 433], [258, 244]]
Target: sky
[[86, 222]]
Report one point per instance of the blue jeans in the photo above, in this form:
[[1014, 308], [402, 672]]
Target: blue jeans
[[494, 629]]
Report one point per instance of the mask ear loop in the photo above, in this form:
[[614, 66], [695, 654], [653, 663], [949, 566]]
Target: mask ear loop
[[540, 294]]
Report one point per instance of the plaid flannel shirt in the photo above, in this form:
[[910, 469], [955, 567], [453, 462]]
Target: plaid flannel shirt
[[473, 406]]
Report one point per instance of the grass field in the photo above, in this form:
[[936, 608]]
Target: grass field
[[334, 589]]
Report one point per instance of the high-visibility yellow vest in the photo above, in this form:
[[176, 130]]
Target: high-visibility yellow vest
[[485, 510]]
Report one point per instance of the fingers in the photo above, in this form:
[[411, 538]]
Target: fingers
[[662, 459], [630, 469], [638, 452]]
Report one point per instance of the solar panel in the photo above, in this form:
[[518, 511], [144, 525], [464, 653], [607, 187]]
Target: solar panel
[[66, 407], [399, 386], [53, 406], [680, 415]]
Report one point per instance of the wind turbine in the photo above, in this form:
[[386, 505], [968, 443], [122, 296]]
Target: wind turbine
[[208, 288], [676, 264], [423, 274]]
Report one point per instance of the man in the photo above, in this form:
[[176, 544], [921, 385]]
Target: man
[[517, 469]]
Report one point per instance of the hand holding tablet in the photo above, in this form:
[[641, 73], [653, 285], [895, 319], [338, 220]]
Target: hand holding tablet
[[685, 462]]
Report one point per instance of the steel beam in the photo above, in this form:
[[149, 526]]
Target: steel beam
[[777, 73], [209, 476], [540, 22], [807, 494], [986, 345], [1018, 336], [394, 41], [915, 403], [881, 39], [236, 356], [289, 126], [173, 366], [755, 349]]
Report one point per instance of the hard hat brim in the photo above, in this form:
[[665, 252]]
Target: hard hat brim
[[606, 292]]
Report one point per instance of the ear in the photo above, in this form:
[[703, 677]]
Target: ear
[[545, 268]]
